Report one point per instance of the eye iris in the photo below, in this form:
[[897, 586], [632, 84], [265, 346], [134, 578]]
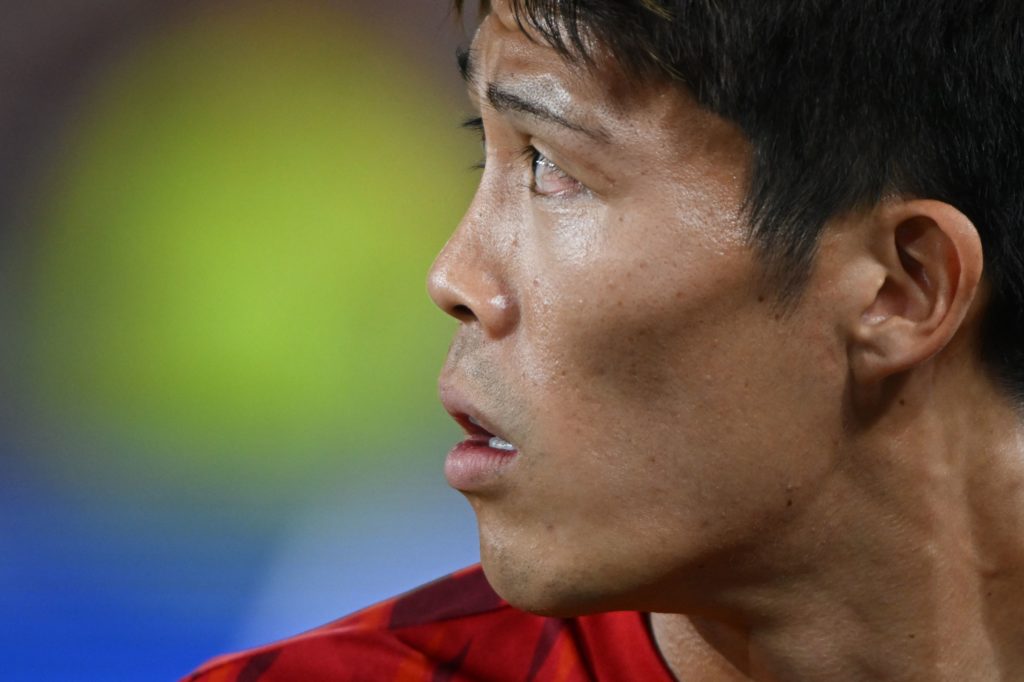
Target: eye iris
[[540, 167], [543, 170]]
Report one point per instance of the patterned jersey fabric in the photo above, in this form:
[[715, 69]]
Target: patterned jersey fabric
[[453, 630]]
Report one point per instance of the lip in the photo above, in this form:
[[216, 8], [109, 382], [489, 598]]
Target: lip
[[472, 465]]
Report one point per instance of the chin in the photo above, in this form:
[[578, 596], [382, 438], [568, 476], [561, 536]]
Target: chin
[[542, 584], [531, 593]]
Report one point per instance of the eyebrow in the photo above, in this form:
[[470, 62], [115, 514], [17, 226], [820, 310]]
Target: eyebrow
[[502, 99]]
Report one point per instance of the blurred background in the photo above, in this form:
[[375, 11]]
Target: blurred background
[[218, 423]]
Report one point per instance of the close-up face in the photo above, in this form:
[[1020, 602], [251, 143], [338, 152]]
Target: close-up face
[[659, 413]]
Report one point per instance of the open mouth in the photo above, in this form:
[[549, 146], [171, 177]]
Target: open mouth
[[479, 434], [484, 458]]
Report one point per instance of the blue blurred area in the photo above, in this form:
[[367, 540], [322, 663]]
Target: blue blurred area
[[93, 594], [104, 593], [217, 417], [396, 532]]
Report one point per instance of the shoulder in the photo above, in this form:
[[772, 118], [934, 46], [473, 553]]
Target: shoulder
[[455, 628]]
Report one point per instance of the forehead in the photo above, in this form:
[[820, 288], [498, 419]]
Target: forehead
[[505, 50], [502, 12]]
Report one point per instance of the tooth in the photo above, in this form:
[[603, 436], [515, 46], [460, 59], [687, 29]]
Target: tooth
[[499, 444], [474, 422]]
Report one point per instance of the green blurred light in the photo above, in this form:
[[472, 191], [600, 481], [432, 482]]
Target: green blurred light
[[234, 259]]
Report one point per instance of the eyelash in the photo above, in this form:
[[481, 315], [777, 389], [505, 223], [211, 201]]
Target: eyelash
[[476, 125], [529, 154]]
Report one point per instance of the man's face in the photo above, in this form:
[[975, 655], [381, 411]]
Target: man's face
[[614, 330]]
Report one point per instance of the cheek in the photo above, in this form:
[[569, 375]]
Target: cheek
[[696, 382], [627, 332]]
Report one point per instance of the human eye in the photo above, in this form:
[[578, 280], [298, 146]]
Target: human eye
[[547, 178]]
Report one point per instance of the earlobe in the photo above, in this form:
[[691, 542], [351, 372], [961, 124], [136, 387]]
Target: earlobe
[[931, 257]]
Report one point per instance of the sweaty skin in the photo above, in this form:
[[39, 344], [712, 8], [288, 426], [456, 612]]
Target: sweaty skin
[[832, 492]]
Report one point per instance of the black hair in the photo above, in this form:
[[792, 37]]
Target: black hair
[[844, 102]]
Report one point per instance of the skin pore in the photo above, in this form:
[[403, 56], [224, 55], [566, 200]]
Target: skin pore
[[834, 492]]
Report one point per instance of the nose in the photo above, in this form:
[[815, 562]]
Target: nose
[[468, 282]]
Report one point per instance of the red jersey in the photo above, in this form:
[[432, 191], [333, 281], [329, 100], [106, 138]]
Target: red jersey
[[453, 630]]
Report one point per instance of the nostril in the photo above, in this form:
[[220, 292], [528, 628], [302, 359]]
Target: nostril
[[462, 313]]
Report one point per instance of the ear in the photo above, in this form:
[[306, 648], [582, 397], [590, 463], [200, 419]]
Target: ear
[[928, 261]]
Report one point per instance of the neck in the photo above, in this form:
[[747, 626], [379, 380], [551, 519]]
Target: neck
[[905, 566]]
